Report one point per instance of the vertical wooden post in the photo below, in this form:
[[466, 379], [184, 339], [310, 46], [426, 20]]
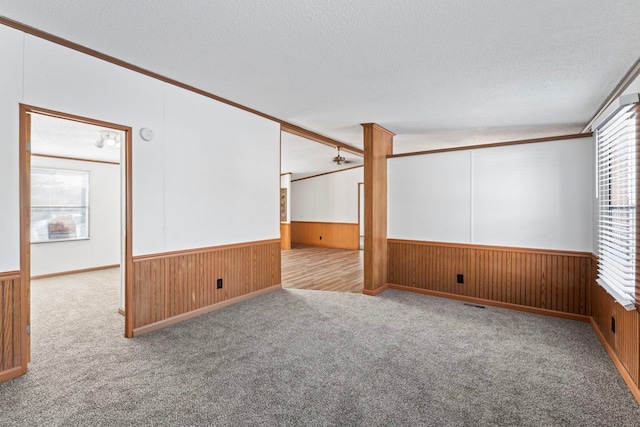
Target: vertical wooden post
[[378, 144]]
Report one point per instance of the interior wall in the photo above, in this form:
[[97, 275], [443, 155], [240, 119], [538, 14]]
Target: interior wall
[[324, 210], [181, 195], [103, 246], [327, 198], [11, 83], [537, 195], [509, 224]]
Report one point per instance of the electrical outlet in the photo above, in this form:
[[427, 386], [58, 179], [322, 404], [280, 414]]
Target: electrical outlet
[[219, 283], [320, 237], [613, 324], [460, 278]]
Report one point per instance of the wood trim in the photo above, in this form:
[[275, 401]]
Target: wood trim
[[73, 117], [10, 275], [624, 83], [121, 311], [191, 314], [527, 309], [74, 159], [25, 234], [637, 267], [82, 270], [128, 237], [338, 235], [286, 173], [324, 222], [162, 255], [633, 387], [376, 291], [495, 248], [493, 145], [11, 373], [360, 195], [591, 294], [288, 127], [378, 128], [327, 173], [378, 144], [285, 236], [297, 130]]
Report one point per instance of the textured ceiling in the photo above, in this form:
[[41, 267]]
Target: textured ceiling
[[436, 73], [65, 138]]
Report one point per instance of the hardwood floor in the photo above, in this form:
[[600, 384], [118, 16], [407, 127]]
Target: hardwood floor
[[325, 269]]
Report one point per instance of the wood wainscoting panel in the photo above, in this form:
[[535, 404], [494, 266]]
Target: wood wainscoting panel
[[10, 326], [338, 235], [551, 280], [172, 284], [625, 341], [285, 236]]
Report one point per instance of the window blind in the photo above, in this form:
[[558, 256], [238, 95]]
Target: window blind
[[616, 172]]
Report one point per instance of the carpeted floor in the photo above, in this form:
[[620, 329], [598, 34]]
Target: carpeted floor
[[296, 357]]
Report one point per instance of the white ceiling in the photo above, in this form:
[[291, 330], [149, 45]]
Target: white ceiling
[[438, 73], [66, 138]]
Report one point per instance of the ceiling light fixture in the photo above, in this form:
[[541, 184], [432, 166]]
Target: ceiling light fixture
[[108, 138], [338, 160]]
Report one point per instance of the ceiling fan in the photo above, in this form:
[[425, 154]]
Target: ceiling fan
[[338, 160]]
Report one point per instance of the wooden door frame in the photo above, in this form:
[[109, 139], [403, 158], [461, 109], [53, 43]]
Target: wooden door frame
[[25, 215], [360, 185]]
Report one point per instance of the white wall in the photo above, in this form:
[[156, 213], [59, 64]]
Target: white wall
[[10, 95], [327, 198], [222, 183], [103, 246], [210, 176], [532, 195], [285, 182], [429, 197]]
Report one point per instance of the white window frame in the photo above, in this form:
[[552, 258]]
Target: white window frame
[[86, 207]]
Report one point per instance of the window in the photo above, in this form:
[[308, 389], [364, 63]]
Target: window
[[616, 172], [59, 205]]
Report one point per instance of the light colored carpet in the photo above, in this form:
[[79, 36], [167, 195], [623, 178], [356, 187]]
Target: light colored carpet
[[296, 357]]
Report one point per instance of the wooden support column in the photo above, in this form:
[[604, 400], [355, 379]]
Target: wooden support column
[[378, 144]]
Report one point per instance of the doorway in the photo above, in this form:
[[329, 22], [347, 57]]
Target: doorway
[[60, 211], [323, 216]]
